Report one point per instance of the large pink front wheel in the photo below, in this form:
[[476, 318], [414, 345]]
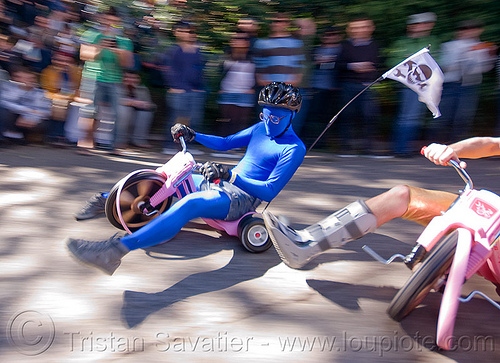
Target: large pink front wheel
[[431, 274], [134, 193]]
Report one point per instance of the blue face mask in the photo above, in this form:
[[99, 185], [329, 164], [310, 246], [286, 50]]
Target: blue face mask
[[276, 120]]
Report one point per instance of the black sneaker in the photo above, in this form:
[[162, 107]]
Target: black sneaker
[[105, 255], [95, 207]]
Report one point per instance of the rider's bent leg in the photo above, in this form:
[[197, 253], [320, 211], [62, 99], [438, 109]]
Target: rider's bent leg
[[107, 255], [424, 205], [207, 204], [296, 248]]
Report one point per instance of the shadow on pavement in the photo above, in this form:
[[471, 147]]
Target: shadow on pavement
[[473, 333], [243, 266]]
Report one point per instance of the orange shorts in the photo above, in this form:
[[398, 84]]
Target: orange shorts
[[426, 204]]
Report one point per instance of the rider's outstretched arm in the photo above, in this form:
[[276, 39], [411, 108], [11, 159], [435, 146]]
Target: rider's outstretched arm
[[472, 148], [477, 147], [240, 139]]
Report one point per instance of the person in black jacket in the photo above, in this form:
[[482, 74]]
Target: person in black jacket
[[357, 65]]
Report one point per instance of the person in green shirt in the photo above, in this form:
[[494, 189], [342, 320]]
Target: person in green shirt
[[409, 118], [106, 53]]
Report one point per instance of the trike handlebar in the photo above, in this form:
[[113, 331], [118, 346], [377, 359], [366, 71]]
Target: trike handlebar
[[461, 171], [463, 174], [183, 143]]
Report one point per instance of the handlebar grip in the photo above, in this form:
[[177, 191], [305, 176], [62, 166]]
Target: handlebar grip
[[422, 150]]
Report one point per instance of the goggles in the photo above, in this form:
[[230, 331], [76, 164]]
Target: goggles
[[274, 119]]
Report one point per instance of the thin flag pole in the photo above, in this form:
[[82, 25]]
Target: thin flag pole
[[333, 120], [381, 78], [342, 109]]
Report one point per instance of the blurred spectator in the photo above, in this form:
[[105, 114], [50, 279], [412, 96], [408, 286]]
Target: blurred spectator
[[4, 76], [152, 51], [29, 11], [58, 5], [237, 95], [24, 106], [324, 84], [409, 121], [61, 80], [5, 19], [57, 18], [8, 57], [39, 55], [66, 41], [463, 61], [183, 66], [251, 28], [13, 9], [105, 53], [135, 112], [305, 30], [42, 31], [280, 58], [75, 20], [358, 64]]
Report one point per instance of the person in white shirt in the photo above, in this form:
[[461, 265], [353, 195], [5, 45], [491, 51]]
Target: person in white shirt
[[463, 61], [24, 106]]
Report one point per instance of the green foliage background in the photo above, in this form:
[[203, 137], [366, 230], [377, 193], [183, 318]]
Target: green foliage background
[[218, 17], [215, 20]]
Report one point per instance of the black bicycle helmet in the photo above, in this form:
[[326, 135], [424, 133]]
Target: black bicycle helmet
[[281, 94]]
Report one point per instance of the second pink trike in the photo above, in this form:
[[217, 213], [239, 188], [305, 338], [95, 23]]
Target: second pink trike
[[459, 243]]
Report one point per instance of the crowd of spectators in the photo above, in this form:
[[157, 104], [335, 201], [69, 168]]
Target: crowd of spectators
[[71, 75]]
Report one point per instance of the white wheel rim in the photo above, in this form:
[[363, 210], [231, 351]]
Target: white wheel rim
[[257, 235]]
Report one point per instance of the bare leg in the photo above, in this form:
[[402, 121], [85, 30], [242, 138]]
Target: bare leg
[[390, 204]]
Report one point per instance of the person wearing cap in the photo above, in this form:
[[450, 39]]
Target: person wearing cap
[[463, 61], [409, 120]]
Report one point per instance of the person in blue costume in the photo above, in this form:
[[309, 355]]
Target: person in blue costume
[[273, 154]]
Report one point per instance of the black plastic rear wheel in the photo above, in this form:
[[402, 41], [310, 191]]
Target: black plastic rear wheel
[[253, 234]]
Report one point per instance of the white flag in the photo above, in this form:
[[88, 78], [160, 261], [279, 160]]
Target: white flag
[[421, 73]]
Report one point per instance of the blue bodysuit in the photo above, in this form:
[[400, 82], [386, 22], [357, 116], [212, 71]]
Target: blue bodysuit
[[265, 169]]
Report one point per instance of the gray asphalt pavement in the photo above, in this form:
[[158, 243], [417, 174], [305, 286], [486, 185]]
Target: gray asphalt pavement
[[201, 297]]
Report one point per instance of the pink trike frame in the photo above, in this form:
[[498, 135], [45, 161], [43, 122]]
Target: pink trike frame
[[178, 175], [476, 216]]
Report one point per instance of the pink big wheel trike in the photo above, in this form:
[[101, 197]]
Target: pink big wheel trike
[[144, 194], [459, 243]]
